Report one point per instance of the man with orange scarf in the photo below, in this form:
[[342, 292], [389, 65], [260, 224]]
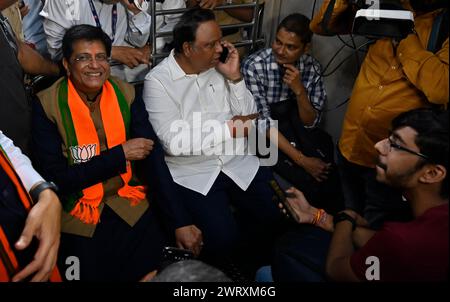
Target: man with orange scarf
[[23, 217], [89, 134]]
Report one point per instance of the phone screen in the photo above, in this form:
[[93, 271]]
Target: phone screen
[[224, 54]]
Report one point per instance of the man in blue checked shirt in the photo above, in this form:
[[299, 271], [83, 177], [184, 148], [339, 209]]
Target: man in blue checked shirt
[[287, 86]]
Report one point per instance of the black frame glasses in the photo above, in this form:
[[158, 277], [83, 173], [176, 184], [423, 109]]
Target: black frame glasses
[[392, 144]]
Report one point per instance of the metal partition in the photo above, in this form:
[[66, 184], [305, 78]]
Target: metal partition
[[253, 40]]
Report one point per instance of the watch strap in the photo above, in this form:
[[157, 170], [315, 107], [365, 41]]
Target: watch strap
[[34, 193], [342, 216]]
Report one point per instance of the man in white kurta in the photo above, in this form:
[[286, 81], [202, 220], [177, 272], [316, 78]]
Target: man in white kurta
[[198, 107]]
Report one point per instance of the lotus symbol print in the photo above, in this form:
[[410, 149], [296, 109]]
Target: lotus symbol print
[[82, 154]]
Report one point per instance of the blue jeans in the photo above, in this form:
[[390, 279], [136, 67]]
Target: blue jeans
[[264, 274], [300, 255]]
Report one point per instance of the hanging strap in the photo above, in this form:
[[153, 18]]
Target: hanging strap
[[113, 18], [327, 17], [8, 261], [438, 32]]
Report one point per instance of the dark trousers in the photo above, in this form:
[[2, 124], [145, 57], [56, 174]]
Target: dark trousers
[[327, 194], [248, 231], [117, 251], [300, 255], [377, 202], [312, 143]]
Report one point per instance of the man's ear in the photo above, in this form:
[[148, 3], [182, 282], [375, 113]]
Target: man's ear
[[433, 174], [66, 66], [187, 49]]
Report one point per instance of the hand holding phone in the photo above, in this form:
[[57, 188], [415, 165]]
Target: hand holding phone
[[224, 54], [282, 195]]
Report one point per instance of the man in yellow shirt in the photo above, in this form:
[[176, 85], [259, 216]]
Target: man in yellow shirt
[[395, 77]]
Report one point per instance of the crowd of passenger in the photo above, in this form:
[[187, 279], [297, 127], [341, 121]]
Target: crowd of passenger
[[111, 160]]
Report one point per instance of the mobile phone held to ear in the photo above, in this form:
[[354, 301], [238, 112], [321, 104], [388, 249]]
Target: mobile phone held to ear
[[224, 54]]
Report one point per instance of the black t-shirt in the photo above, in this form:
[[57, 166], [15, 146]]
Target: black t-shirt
[[15, 110]]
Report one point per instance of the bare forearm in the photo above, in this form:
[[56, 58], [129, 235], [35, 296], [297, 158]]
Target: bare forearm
[[341, 248], [191, 3], [361, 235], [6, 3], [33, 63], [306, 111], [243, 14], [285, 146]]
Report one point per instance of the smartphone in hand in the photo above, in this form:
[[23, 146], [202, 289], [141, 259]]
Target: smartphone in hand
[[281, 196], [175, 254], [224, 54]]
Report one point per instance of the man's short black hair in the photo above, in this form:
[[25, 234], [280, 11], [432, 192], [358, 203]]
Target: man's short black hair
[[186, 28], [299, 25], [431, 126], [87, 33]]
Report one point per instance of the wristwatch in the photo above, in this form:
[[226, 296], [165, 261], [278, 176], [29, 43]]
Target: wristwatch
[[34, 193], [342, 216]]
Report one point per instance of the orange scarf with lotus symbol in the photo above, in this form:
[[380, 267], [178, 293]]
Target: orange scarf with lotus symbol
[[88, 145]]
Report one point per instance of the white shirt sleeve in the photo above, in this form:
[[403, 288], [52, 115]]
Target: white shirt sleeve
[[58, 16], [21, 163], [138, 31], [241, 99]]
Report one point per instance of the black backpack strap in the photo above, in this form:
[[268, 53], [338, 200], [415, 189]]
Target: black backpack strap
[[439, 32], [327, 16]]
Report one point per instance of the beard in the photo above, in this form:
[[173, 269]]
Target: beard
[[398, 180], [427, 5]]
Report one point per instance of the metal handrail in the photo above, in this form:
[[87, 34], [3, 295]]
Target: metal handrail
[[253, 41]]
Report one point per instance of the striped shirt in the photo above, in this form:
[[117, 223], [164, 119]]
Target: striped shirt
[[263, 76]]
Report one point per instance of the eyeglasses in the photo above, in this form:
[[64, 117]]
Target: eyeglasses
[[86, 59], [394, 145]]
